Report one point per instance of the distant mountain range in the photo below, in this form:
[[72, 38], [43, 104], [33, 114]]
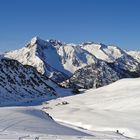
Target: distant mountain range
[[85, 65], [41, 68]]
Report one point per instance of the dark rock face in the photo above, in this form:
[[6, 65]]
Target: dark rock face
[[18, 82], [102, 73]]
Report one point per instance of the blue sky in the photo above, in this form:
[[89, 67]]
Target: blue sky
[[106, 21]]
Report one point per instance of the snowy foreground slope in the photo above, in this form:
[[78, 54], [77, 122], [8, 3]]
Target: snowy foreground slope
[[30, 123], [110, 108], [100, 112]]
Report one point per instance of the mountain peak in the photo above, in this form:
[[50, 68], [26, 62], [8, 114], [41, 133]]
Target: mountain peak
[[37, 40]]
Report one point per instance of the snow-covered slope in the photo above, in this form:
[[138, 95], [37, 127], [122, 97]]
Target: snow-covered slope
[[30, 123], [20, 83], [103, 52], [135, 54], [113, 54], [110, 108], [20, 123]]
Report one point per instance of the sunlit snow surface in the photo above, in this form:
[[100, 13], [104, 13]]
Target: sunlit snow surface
[[110, 108], [26, 123], [94, 115], [31, 122]]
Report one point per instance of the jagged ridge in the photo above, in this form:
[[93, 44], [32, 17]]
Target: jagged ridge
[[60, 61]]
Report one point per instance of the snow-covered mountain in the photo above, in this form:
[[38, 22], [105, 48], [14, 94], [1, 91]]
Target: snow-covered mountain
[[60, 61], [52, 58], [20, 83]]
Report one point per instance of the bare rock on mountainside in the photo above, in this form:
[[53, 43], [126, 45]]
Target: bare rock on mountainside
[[22, 83]]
